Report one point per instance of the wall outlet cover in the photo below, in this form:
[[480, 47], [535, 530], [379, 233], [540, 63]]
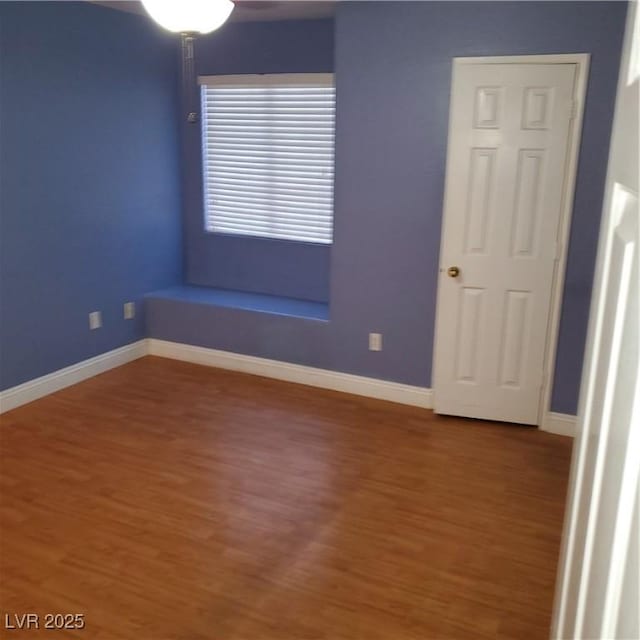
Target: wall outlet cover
[[95, 320], [375, 342]]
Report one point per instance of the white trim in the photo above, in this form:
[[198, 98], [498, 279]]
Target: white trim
[[581, 60], [260, 80], [345, 382], [559, 423], [52, 382], [575, 135], [562, 424], [544, 58], [300, 374]]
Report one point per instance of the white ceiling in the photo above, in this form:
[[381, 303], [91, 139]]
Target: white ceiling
[[253, 11]]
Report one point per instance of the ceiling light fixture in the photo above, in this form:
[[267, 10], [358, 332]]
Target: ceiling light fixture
[[189, 16]]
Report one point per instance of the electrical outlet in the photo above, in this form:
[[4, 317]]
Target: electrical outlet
[[375, 342], [95, 320], [129, 310]]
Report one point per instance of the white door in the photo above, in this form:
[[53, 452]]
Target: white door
[[508, 145], [598, 594]]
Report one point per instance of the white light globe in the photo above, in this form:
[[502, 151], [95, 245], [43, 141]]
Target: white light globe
[[189, 16]]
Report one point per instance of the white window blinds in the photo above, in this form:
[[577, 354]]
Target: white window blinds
[[268, 155]]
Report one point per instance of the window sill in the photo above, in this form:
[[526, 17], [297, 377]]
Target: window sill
[[257, 302]]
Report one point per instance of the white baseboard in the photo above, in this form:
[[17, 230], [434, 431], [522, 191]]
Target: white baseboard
[[558, 423], [39, 387], [562, 424], [345, 382]]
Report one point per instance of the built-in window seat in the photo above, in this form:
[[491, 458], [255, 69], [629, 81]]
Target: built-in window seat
[[190, 295]]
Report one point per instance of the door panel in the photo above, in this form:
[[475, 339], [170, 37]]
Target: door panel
[[526, 211], [488, 107], [514, 336], [508, 142], [479, 202], [537, 108], [469, 319]]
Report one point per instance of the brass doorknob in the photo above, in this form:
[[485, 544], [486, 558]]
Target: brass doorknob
[[453, 272]]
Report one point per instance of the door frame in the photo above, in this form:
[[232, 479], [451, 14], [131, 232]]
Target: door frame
[[546, 418]]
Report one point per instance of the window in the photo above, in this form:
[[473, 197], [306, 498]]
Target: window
[[268, 155]]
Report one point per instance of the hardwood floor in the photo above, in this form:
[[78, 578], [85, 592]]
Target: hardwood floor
[[164, 500]]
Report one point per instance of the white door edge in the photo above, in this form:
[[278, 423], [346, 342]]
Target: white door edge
[[581, 60]]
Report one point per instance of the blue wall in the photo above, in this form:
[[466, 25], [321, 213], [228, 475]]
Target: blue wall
[[394, 66], [393, 70], [89, 183], [280, 267]]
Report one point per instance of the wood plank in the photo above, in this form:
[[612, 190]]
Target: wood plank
[[166, 500]]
